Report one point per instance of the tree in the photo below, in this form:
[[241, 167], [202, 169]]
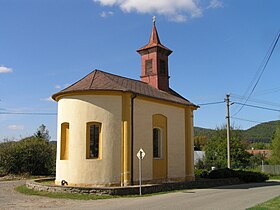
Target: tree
[[42, 133], [200, 141], [275, 147], [216, 150], [7, 151], [258, 145], [34, 155], [30, 155]]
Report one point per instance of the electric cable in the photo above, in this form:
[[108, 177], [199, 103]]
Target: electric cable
[[259, 107], [28, 113], [262, 68], [242, 119], [258, 101], [211, 103]]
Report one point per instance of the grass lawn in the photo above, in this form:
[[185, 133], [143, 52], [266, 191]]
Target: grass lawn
[[49, 182], [23, 189], [274, 177], [273, 204]]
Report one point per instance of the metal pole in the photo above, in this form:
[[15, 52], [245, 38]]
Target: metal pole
[[228, 130], [140, 174]]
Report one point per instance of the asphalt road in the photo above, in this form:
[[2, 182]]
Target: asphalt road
[[226, 198]]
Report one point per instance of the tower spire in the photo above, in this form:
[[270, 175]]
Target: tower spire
[[154, 39], [154, 57]]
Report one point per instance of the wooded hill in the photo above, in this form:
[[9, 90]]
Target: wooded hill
[[262, 132]]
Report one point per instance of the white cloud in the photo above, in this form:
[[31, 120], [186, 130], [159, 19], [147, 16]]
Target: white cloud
[[46, 99], [16, 127], [106, 2], [66, 85], [178, 18], [105, 14], [175, 10], [61, 86], [215, 4], [4, 69]]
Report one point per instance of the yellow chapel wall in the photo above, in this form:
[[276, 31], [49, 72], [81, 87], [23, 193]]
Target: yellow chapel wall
[[144, 110], [77, 111]]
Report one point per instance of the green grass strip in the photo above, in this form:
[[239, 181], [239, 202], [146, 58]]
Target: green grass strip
[[23, 189], [277, 177], [79, 196], [273, 204]]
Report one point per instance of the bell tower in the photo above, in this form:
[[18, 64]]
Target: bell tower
[[154, 58]]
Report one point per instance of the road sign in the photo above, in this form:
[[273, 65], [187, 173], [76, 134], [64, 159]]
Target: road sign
[[140, 154]]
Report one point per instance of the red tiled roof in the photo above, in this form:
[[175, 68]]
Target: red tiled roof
[[101, 81], [265, 152]]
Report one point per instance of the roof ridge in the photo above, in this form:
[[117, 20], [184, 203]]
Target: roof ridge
[[139, 81], [93, 77], [107, 75], [115, 75], [77, 81]]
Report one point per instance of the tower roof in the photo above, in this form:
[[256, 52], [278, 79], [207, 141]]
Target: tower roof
[[154, 41]]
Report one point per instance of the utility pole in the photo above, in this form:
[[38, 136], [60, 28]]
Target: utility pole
[[228, 130]]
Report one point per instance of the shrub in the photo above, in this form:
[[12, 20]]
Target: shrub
[[201, 173], [222, 173], [31, 155], [250, 176], [7, 156], [245, 176]]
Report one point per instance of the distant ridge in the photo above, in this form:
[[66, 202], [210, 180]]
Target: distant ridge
[[262, 132]]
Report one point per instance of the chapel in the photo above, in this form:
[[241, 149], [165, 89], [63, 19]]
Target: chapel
[[104, 119]]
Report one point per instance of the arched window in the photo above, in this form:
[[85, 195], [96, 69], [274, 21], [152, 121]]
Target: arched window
[[149, 67], [157, 138], [64, 141], [93, 140]]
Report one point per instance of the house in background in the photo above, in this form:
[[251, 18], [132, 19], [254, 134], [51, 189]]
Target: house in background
[[104, 119], [198, 156], [265, 153]]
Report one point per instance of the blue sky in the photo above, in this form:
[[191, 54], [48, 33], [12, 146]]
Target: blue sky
[[218, 47]]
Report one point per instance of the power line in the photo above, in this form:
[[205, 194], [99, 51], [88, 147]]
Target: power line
[[28, 113], [236, 118], [242, 104], [211, 103], [269, 91], [259, 107], [261, 70], [257, 101]]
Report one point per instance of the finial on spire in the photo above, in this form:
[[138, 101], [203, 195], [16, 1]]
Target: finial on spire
[[154, 19]]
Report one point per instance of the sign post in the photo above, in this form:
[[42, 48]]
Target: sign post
[[140, 155]]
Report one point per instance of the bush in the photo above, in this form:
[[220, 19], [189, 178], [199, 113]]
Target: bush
[[222, 173], [245, 176], [7, 157], [201, 173], [31, 155], [250, 176]]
